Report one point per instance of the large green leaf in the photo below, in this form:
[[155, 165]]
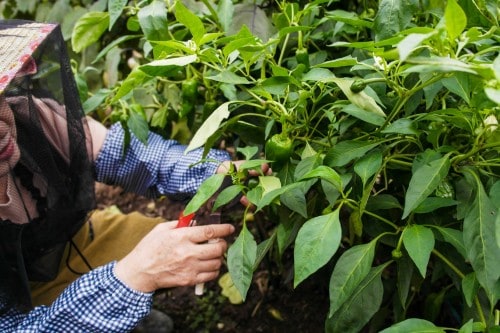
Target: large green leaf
[[209, 127], [480, 240], [455, 19], [88, 29], [240, 260], [316, 243], [368, 165], [414, 325], [470, 286], [351, 268], [325, 173], [360, 99], [191, 21], [454, 237], [361, 306], [424, 181], [392, 17], [295, 197], [163, 67], [205, 192], [419, 242], [115, 8], [346, 151], [225, 11], [153, 20]]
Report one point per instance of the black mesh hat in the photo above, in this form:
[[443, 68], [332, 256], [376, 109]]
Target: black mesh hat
[[46, 177]]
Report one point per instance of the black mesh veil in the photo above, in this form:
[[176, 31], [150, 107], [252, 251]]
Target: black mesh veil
[[54, 170]]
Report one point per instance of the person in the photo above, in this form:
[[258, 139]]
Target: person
[[64, 265]]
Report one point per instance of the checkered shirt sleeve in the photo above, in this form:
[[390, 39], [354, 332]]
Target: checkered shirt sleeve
[[96, 302], [158, 168]]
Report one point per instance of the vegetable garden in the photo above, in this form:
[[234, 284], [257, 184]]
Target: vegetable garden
[[379, 119]]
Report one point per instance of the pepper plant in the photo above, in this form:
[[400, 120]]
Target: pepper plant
[[379, 118]]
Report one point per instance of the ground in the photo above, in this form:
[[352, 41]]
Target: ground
[[272, 305]]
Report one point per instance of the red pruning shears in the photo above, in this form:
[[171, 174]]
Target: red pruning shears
[[185, 220]]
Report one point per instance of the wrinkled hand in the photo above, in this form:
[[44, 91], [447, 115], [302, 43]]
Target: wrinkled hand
[[169, 257]]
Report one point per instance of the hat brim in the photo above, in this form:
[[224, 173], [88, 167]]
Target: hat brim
[[18, 41]]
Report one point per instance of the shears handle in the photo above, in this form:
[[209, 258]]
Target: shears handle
[[185, 220]]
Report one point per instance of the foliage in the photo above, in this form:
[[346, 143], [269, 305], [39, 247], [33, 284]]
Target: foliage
[[392, 108]]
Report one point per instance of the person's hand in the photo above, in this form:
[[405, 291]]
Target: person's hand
[[169, 257], [224, 167]]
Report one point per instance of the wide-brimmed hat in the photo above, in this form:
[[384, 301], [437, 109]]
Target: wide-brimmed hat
[[18, 40]]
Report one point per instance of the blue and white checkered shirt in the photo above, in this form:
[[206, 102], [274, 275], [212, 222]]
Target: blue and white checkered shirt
[[158, 168], [98, 301]]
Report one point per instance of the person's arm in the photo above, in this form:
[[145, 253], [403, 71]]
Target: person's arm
[[115, 297], [158, 168], [96, 302]]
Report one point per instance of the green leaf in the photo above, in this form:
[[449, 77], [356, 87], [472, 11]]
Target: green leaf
[[355, 313], [459, 84], [392, 17], [190, 21], [240, 260], [402, 126], [95, 100], [325, 173], [346, 151], [431, 204], [362, 114], [205, 192], [454, 237], [368, 165], [295, 197], [225, 11], [88, 29], [139, 126], [135, 79], [317, 241], [480, 240], [153, 21], [423, 182], [226, 195], [410, 43], [163, 67], [468, 327], [438, 64], [404, 279], [470, 286], [419, 242], [209, 127], [383, 201], [351, 268], [226, 76], [455, 19], [360, 99], [414, 325], [115, 9]]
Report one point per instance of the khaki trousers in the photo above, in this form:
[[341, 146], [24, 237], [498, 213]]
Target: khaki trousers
[[109, 235]]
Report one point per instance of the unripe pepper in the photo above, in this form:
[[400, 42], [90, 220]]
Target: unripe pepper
[[278, 149], [189, 90], [302, 57], [358, 85]]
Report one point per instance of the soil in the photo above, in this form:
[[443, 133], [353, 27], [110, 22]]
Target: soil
[[272, 304]]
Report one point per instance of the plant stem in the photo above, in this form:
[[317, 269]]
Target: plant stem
[[461, 276], [386, 221]]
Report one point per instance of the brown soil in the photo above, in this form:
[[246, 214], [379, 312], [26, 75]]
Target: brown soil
[[272, 305]]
